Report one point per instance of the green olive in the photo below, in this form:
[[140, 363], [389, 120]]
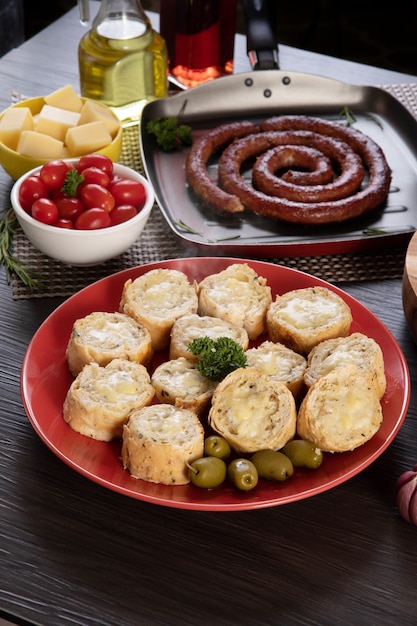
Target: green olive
[[207, 472], [243, 474], [303, 453], [217, 446], [272, 465]]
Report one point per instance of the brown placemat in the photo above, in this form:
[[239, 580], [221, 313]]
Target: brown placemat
[[158, 242]]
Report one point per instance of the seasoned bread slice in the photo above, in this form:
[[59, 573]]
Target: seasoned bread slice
[[301, 318], [190, 327], [238, 295], [100, 399], [179, 382], [156, 299], [358, 349], [279, 363], [252, 411], [341, 411], [159, 441], [100, 337]]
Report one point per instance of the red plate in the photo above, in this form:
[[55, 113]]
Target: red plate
[[45, 380]]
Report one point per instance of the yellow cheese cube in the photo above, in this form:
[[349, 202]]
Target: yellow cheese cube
[[13, 122], [40, 146], [94, 112], [65, 98], [87, 138], [55, 122]]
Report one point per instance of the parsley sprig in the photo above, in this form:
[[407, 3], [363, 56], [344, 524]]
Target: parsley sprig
[[217, 357]]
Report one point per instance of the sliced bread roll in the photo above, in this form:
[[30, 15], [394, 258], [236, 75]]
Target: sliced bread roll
[[179, 382], [237, 295], [100, 337], [100, 399], [190, 327], [341, 411], [357, 349], [159, 441], [279, 363], [156, 299], [301, 318], [253, 412]]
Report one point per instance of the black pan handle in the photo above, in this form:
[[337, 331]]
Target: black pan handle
[[262, 47]]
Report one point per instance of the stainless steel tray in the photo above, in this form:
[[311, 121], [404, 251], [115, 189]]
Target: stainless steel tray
[[255, 96]]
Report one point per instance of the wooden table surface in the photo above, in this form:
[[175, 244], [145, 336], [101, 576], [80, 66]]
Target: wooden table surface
[[73, 552]]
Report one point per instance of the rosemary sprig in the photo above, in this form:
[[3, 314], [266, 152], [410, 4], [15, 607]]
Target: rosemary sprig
[[12, 265], [348, 114]]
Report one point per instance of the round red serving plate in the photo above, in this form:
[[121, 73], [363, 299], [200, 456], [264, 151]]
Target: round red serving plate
[[45, 380]]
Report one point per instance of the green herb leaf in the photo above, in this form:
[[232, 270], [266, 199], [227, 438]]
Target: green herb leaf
[[71, 183], [8, 225], [170, 135], [217, 357]]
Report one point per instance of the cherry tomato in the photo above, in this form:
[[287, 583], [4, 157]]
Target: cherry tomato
[[96, 196], [63, 223], [92, 219], [54, 172], [69, 208], [95, 160], [30, 190], [95, 175], [129, 192], [122, 213], [45, 210]]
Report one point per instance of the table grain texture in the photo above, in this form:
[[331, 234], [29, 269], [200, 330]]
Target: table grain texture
[[75, 553]]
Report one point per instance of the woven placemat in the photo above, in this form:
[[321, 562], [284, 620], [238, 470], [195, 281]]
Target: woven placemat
[[158, 243]]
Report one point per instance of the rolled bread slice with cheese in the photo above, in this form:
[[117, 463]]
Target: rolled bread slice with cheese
[[238, 295], [100, 337], [100, 399], [279, 363], [341, 411], [357, 349], [301, 318], [159, 441], [189, 327], [156, 299], [253, 412], [179, 382]]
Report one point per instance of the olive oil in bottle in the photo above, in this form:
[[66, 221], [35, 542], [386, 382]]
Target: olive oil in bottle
[[122, 60]]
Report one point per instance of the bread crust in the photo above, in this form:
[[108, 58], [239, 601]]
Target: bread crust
[[159, 441], [238, 295], [357, 349], [252, 411], [302, 318], [341, 411], [100, 399], [101, 337], [156, 299]]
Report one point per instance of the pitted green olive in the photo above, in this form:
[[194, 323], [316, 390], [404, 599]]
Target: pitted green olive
[[243, 474], [207, 472], [272, 465], [217, 446], [303, 453]]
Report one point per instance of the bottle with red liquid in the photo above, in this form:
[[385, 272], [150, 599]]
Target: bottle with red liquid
[[200, 38]]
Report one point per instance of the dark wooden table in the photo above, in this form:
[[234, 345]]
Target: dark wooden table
[[73, 552]]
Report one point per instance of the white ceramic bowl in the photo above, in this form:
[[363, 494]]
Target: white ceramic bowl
[[84, 247]]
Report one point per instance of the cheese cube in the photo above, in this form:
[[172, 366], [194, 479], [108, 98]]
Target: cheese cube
[[55, 122], [40, 146], [13, 122], [87, 138], [65, 98], [93, 112]]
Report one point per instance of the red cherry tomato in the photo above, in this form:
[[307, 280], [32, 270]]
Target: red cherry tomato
[[95, 160], [96, 196], [54, 172], [69, 208], [45, 210], [129, 192], [64, 223], [30, 190], [95, 175], [122, 213], [92, 219]]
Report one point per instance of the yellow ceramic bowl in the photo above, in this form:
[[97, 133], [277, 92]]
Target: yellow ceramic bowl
[[16, 164]]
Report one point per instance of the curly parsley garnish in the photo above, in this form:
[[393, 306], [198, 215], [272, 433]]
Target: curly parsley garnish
[[217, 357]]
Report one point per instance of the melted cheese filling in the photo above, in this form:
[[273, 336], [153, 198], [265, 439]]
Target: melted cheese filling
[[304, 314]]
